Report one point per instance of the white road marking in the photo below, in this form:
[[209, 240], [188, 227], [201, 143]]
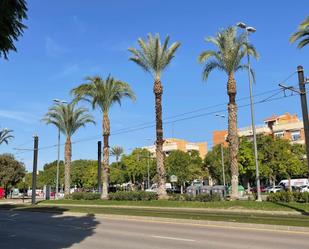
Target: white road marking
[[172, 238]]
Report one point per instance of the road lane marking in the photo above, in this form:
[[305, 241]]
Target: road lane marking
[[172, 238]]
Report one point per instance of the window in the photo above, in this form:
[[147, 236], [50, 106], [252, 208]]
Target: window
[[279, 134], [295, 135]]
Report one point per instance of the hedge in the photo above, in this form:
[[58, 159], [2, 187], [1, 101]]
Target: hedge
[[133, 196], [289, 197], [200, 198], [85, 196]]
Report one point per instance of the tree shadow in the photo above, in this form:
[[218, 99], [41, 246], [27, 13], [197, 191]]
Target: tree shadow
[[46, 228], [302, 211]]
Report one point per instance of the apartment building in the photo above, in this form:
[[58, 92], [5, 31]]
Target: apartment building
[[287, 126], [172, 144]]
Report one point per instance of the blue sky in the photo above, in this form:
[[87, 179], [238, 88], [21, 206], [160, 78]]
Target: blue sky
[[68, 41]]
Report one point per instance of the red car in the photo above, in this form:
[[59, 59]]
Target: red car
[[2, 193], [262, 188]]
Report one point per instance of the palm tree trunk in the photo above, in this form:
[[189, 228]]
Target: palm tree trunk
[[106, 133], [158, 91], [67, 166], [233, 134]]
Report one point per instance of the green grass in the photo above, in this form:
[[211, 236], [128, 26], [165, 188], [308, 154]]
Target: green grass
[[250, 205], [258, 218]]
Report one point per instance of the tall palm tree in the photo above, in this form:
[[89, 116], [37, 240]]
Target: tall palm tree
[[302, 32], [11, 27], [227, 57], [154, 57], [6, 136], [103, 94], [116, 151], [68, 119]]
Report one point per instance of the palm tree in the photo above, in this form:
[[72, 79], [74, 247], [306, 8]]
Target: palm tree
[[154, 57], [230, 49], [103, 94], [116, 151], [302, 32], [68, 119], [6, 136], [11, 26]]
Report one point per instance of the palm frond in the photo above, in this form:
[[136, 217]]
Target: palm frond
[[103, 93], [6, 136], [302, 32], [153, 56], [67, 117]]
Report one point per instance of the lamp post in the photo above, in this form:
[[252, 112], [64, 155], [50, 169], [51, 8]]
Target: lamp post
[[222, 153], [249, 30], [148, 167], [58, 101]]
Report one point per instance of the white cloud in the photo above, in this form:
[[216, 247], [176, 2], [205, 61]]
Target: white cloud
[[53, 49], [68, 70], [78, 24], [24, 117]]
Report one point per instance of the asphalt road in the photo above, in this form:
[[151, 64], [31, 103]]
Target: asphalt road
[[51, 231]]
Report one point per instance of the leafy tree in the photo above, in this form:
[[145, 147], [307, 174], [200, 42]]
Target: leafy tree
[[104, 94], [84, 174], [177, 163], [214, 164], [230, 50], [117, 151], [11, 27], [118, 174], [5, 136], [187, 166], [11, 171], [301, 33], [68, 119], [154, 57], [246, 162], [136, 166]]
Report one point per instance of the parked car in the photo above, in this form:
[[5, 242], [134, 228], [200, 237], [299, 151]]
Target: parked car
[[294, 182], [154, 187], [274, 189], [304, 189], [263, 189]]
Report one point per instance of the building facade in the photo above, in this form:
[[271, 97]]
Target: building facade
[[287, 126], [172, 144]]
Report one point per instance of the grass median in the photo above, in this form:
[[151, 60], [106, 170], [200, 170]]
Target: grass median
[[257, 218], [226, 205]]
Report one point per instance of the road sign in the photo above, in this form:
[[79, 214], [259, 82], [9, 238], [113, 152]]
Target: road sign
[[173, 178]]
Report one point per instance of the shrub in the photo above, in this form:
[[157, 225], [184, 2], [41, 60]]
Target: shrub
[[288, 197], [133, 196], [85, 196], [201, 197], [77, 196]]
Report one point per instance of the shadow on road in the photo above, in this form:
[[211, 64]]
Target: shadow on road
[[47, 228]]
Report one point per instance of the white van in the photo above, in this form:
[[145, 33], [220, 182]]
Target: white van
[[154, 187], [294, 182]]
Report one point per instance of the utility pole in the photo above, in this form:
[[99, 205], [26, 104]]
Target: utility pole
[[248, 30], [99, 166], [58, 160], [35, 167], [222, 162], [304, 107]]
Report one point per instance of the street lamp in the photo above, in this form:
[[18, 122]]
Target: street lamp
[[58, 101], [148, 167], [249, 30], [222, 154]]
